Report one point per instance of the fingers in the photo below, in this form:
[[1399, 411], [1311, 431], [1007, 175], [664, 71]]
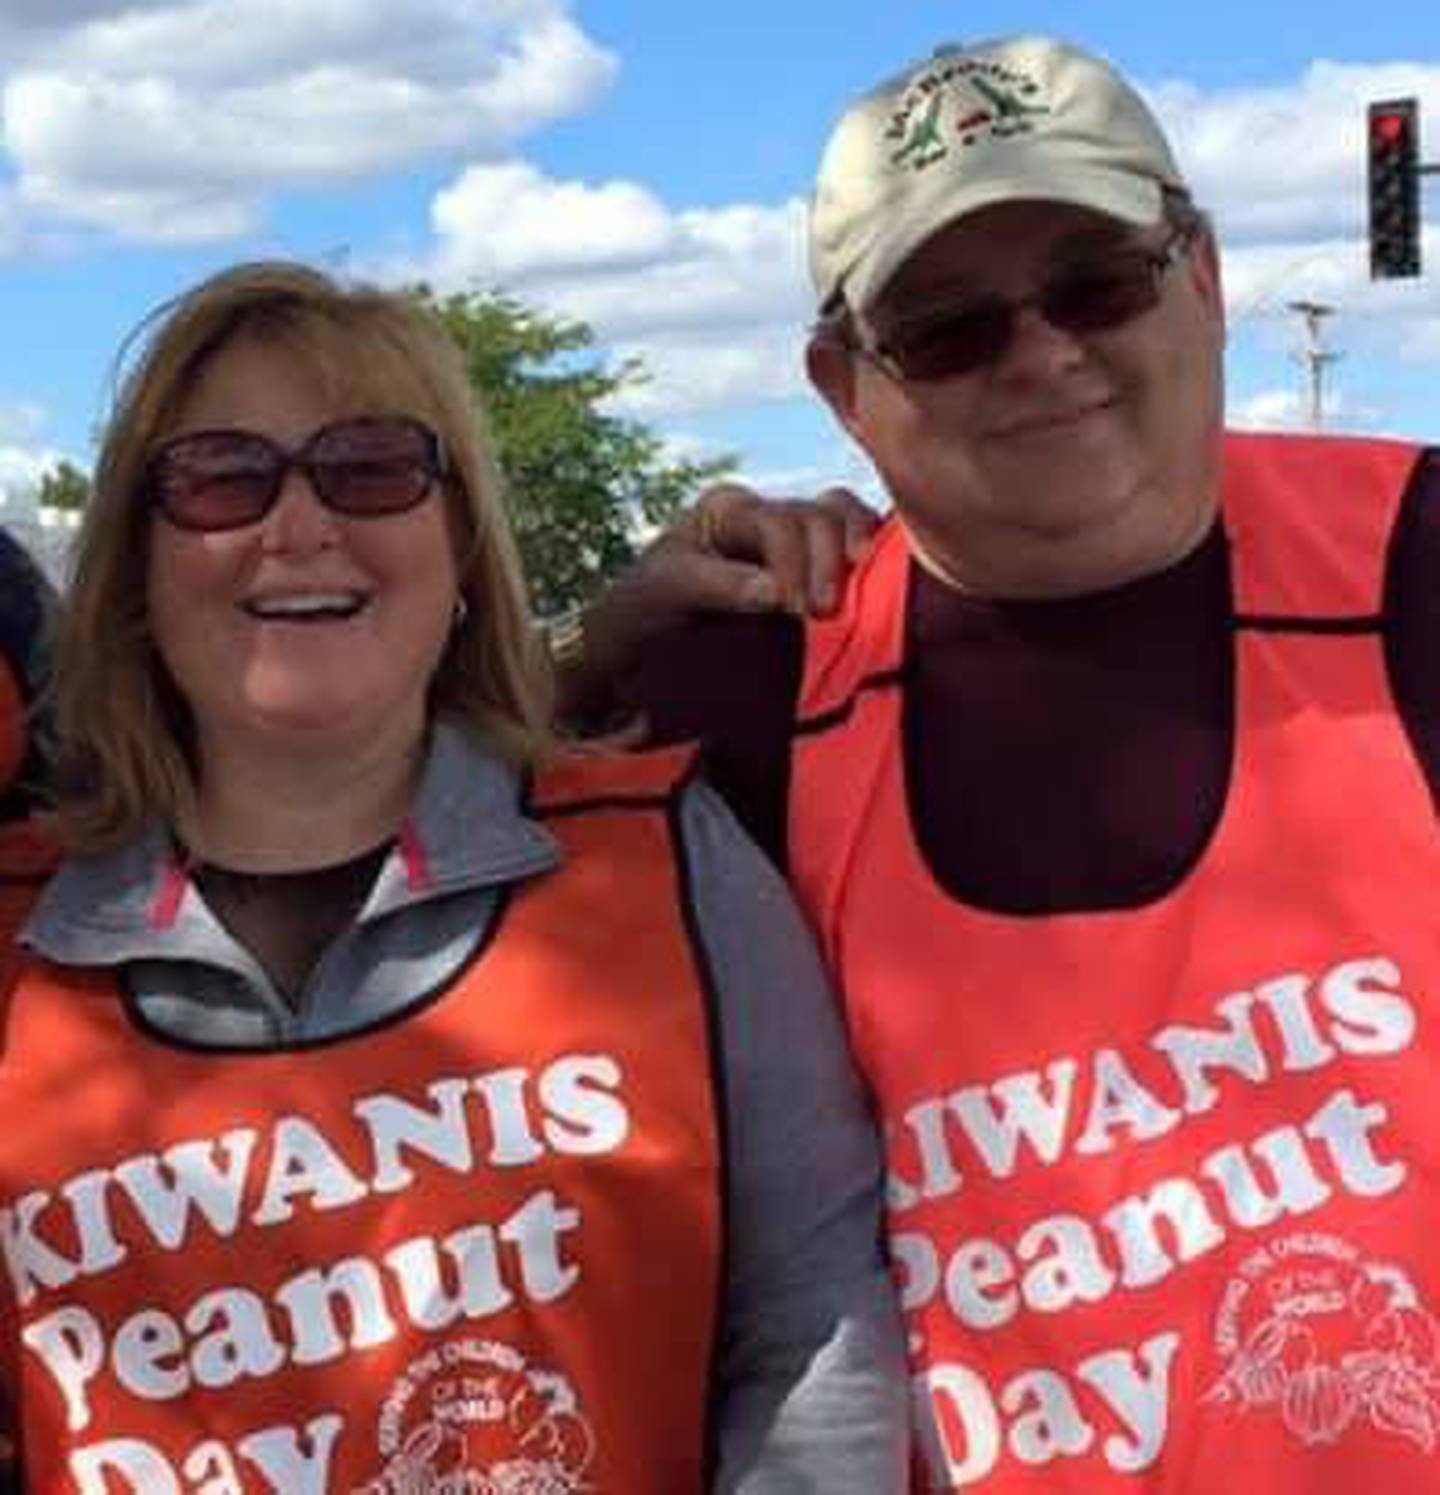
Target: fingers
[[689, 571], [857, 518], [731, 551], [674, 578], [805, 548], [762, 543]]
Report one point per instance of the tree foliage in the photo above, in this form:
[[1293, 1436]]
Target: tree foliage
[[64, 486], [585, 486]]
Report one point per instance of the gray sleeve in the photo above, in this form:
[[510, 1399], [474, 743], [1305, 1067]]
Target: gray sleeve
[[812, 1383]]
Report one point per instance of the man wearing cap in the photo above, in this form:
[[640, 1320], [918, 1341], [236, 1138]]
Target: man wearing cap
[[1110, 787]]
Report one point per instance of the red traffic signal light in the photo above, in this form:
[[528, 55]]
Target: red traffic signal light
[[1394, 188]]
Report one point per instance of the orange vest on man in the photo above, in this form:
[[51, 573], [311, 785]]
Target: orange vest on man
[[482, 1241], [1164, 1179]]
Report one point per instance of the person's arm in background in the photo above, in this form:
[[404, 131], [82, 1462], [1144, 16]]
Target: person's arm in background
[[732, 551], [28, 604], [811, 1383]]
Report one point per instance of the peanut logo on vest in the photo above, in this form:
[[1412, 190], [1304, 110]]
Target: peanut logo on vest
[[1331, 1343], [472, 1418], [469, 1415]]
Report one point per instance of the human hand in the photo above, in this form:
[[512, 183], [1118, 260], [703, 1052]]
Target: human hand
[[735, 551], [731, 551]]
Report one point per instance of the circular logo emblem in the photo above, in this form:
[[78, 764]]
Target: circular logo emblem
[[472, 1418], [1330, 1342]]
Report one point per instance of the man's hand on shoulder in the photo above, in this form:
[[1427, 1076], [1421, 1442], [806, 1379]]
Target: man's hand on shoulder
[[732, 551], [737, 551]]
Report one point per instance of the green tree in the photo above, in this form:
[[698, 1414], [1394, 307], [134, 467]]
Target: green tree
[[585, 486], [64, 486]]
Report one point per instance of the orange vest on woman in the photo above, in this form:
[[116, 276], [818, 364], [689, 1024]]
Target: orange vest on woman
[[479, 1243], [1165, 1180]]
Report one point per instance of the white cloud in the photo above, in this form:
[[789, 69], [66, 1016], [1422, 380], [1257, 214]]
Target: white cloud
[[613, 253], [22, 422], [1422, 340], [1286, 161], [21, 468], [58, 15], [713, 301], [1270, 410], [1264, 277], [1290, 410], [1385, 321], [1283, 170], [178, 121], [15, 235], [704, 373], [839, 464], [25, 456], [504, 222]]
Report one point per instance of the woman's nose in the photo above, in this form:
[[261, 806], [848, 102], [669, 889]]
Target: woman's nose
[[298, 520]]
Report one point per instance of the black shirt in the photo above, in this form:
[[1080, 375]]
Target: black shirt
[[1060, 756], [27, 607]]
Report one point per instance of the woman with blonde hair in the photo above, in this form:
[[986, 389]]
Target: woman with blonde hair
[[398, 1102]]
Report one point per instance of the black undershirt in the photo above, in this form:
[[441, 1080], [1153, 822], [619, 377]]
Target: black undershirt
[[1060, 756], [286, 920], [27, 605]]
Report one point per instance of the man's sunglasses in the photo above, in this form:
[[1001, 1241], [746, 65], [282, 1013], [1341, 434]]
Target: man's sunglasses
[[1091, 297], [365, 466]]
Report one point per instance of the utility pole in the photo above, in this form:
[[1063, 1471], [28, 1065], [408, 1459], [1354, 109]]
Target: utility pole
[[1314, 358]]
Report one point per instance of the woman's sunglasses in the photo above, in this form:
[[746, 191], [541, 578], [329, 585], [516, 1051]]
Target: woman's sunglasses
[[364, 466]]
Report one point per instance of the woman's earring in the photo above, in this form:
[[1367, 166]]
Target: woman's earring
[[459, 613]]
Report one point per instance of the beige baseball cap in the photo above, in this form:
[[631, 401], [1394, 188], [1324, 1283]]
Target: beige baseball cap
[[1024, 117]]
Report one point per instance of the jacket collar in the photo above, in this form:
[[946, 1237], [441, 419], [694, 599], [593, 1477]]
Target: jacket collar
[[465, 829]]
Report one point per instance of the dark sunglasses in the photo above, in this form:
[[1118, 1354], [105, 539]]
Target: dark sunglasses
[[1088, 297], [364, 466]]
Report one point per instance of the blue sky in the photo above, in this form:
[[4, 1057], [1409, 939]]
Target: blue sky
[[642, 164]]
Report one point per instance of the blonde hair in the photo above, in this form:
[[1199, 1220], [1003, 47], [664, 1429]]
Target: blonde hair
[[124, 735]]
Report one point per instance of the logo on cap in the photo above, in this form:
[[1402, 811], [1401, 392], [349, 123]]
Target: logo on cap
[[991, 99]]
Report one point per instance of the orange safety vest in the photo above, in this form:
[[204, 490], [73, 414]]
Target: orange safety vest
[[1164, 1181], [475, 1248]]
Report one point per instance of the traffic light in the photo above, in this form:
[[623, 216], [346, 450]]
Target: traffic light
[[1394, 183]]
